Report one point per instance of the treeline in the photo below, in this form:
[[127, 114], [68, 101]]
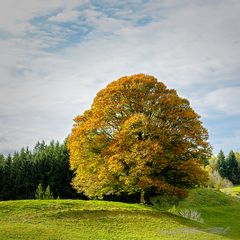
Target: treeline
[[47, 166], [224, 171], [22, 172]]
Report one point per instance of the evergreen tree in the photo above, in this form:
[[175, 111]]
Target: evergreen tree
[[221, 164], [1, 160], [48, 194], [48, 165], [24, 182], [232, 168], [1, 175], [43, 194], [7, 180], [39, 192], [237, 154]]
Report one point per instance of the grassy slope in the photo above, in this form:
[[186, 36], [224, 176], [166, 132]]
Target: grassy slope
[[217, 209], [76, 219], [232, 190]]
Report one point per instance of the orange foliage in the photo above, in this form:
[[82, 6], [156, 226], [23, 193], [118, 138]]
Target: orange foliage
[[138, 135]]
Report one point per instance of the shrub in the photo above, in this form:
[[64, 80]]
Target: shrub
[[164, 201], [215, 180], [48, 194], [41, 194], [187, 213]]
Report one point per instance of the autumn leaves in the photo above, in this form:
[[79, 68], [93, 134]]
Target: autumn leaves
[[138, 135]]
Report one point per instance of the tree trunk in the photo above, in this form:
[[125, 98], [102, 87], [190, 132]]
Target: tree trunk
[[142, 197]]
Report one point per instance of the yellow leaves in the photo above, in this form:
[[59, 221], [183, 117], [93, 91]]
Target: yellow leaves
[[136, 132], [115, 164]]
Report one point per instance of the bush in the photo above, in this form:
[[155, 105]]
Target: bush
[[215, 180], [187, 213], [48, 194], [41, 194], [164, 201]]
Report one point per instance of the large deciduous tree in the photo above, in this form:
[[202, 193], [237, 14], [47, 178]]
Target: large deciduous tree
[[138, 135]]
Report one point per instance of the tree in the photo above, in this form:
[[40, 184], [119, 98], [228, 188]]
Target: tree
[[213, 161], [52, 168], [22, 172], [2, 160], [237, 154], [48, 193], [7, 180], [229, 167], [39, 192], [215, 180], [138, 136], [221, 164], [43, 194], [232, 168]]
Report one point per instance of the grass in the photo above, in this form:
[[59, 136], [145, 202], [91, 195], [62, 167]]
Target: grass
[[234, 191], [218, 210], [77, 219]]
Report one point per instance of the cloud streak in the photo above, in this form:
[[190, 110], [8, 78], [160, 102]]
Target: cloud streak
[[56, 56]]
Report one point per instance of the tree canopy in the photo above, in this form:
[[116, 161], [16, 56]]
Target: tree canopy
[[137, 136]]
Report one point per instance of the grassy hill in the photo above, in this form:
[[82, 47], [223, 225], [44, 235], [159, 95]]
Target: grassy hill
[[217, 209], [234, 191], [77, 219]]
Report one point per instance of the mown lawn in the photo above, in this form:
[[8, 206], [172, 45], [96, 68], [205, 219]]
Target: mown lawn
[[77, 219]]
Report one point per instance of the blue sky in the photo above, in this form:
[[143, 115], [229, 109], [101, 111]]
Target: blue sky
[[56, 55]]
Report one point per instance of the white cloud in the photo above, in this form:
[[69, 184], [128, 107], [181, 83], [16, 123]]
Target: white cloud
[[192, 47], [67, 15], [15, 16], [225, 100], [227, 143]]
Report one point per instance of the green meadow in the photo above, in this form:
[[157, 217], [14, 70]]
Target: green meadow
[[79, 219], [234, 191]]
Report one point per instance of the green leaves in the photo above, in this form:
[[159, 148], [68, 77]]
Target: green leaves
[[43, 194]]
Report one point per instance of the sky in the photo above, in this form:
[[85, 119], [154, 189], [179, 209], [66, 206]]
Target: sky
[[56, 55]]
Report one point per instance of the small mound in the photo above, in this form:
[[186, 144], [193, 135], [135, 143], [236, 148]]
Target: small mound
[[205, 197]]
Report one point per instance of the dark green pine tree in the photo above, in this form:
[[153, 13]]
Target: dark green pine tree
[[47, 164], [221, 164], [7, 180], [1, 175], [232, 168]]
